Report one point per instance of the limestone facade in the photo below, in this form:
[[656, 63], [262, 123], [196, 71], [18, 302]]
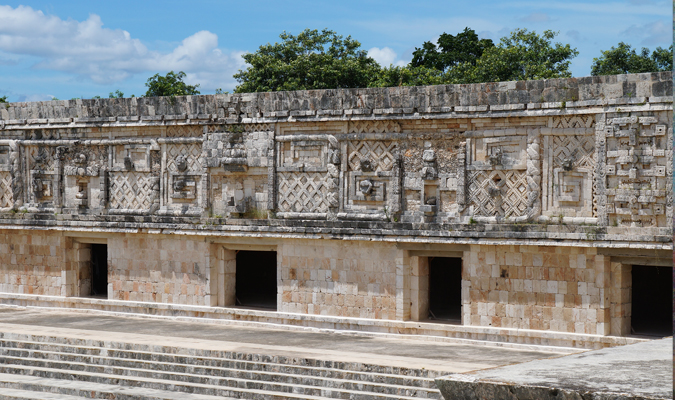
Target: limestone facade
[[548, 192]]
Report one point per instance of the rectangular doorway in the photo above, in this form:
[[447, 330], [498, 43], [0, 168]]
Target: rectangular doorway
[[99, 270], [652, 301], [256, 279], [445, 289]]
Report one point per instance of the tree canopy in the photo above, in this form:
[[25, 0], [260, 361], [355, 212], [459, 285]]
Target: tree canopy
[[623, 59], [170, 85], [310, 60], [3, 99], [450, 51], [523, 55]]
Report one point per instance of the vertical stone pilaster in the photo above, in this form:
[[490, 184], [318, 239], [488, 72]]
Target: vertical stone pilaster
[[17, 175], [533, 174], [620, 299], [599, 185], [403, 275], [461, 177], [419, 288]]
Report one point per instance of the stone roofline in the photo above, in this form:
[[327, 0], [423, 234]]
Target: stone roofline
[[543, 97]]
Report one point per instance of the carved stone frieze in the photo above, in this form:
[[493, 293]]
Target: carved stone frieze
[[637, 172]]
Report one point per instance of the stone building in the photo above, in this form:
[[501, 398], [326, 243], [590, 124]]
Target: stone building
[[531, 212]]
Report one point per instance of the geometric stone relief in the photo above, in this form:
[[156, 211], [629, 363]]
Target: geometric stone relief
[[380, 155], [505, 152], [497, 174], [184, 177], [132, 191], [85, 173], [184, 131], [386, 126], [6, 189], [373, 176], [303, 192], [307, 174], [191, 156], [568, 165], [573, 121], [5, 178], [497, 193], [637, 172]]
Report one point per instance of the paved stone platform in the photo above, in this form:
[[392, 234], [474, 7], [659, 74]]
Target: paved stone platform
[[637, 371], [411, 353]]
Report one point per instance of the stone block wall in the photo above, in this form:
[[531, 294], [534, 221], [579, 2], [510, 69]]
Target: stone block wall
[[32, 262], [158, 269], [339, 278], [563, 289]]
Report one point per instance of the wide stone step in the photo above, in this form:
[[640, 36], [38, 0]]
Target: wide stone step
[[195, 356], [14, 387], [233, 378], [244, 389], [226, 368]]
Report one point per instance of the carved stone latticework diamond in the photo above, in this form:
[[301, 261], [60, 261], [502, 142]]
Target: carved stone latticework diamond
[[130, 190], [6, 200], [184, 131], [192, 152], [381, 154], [304, 192], [498, 193]]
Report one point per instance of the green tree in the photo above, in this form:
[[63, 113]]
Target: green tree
[[623, 59], [3, 99], [117, 94], [310, 60], [522, 55], [407, 76], [170, 85], [450, 51]]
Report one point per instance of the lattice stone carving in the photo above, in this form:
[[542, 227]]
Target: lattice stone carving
[[192, 152], [303, 192], [579, 149], [42, 157], [381, 154], [497, 193], [131, 190], [568, 181], [6, 200], [184, 130], [236, 128], [374, 127], [637, 172], [573, 121]]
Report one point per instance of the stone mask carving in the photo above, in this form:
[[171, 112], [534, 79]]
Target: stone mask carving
[[366, 165], [181, 163], [496, 157], [366, 186]]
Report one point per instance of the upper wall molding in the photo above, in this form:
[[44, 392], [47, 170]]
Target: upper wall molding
[[542, 97]]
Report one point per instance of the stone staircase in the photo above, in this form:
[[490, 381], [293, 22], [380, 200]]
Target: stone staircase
[[51, 367]]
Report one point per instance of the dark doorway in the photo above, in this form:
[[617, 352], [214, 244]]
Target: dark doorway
[[445, 288], [256, 280], [99, 270], [652, 302]]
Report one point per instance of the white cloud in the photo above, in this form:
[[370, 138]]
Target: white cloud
[[385, 57], [106, 56], [651, 33]]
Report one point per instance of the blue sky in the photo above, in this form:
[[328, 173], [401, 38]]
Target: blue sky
[[71, 49]]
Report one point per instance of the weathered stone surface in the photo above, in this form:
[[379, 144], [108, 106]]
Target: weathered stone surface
[[638, 371]]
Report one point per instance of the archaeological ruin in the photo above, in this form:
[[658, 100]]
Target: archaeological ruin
[[526, 212]]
